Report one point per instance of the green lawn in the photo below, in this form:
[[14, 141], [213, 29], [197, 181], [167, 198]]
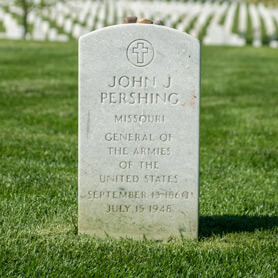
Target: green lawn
[[38, 178]]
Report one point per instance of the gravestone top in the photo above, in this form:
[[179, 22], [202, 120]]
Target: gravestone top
[[139, 95]]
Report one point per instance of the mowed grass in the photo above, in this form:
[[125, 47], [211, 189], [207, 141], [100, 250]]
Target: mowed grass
[[238, 234]]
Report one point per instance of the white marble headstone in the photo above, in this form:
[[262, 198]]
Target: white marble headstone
[[139, 95]]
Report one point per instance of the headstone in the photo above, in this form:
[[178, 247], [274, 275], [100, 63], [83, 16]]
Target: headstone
[[31, 17], [111, 14], [268, 22], [52, 35], [60, 20], [220, 10], [45, 12], [195, 10], [76, 31], [202, 19], [273, 44], [53, 14], [242, 25], [1, 14], [45, 26], [62, 38], [38, 30], [256, 25], [120, 12], [13, 30], [68, 25], [90, 22], [217, 35], [229, 21], [139, 93]]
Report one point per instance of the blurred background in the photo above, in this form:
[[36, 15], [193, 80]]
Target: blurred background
[[214, 22], [39, 142]]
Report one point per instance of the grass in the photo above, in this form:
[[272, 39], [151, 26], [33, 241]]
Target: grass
[[18, 19], [38, 189], [270, 3], [236, 20], [204, 29], [249, 31], [265, 37], [276, 29], [175, 23], [52, 24], [223, 18], [191, 24], [2, 28]]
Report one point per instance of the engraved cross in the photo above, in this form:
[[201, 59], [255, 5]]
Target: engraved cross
[[140, 50]]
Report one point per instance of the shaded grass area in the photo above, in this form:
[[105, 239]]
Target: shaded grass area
[[18, 19], [38, 190], [249, 32], [266, 2], [236, 20], [223, 18], [276, 29], [191, 24], [2, 28], [204, 29], [265, 37], [53, 24], [175, 23]]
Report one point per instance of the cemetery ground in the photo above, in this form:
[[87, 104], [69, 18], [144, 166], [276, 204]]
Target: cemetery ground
[[238, 172]]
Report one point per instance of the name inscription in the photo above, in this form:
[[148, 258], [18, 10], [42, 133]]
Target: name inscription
[[137, 82], [140, 83], [141, 90]]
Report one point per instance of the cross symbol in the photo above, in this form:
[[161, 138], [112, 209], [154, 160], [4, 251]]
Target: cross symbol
[[140, 50]]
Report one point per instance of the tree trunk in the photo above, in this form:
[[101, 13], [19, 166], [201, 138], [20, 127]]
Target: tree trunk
[[25, 23]]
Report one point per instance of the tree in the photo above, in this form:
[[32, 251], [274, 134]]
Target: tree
[[27, 6]]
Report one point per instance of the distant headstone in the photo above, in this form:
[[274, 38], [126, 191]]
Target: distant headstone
[[217, 35], [76, 31], [13, 30], [52, 35], [139, 94], [68, 25], [60, 20]]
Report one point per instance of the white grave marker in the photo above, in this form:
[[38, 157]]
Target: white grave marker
[[139, 93]]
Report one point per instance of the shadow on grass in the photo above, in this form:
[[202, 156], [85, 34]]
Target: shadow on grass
[[221, 224]]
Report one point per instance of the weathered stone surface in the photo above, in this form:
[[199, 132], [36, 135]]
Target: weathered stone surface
[[139, 93]]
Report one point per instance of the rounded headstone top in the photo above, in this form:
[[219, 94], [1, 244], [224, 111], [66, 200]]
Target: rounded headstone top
[[139, 29]]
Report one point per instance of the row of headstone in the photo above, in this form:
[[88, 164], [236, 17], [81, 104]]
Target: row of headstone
[[217, 35], [193, 12], [13, 29], [256, 26], [229, 21], [242, 24], [43, 31], [75, 18], [202, 19], [222, 34], [2, 34], [274, 14], [269, 25], [41, 28]]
